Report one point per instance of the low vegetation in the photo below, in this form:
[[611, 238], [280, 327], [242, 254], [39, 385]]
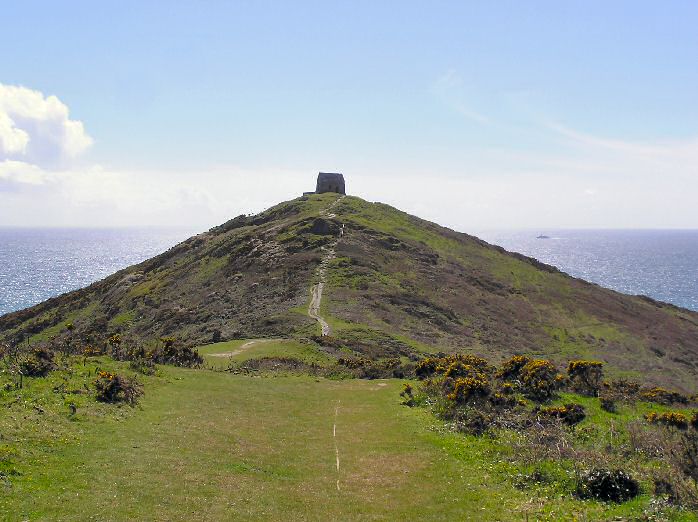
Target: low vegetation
[[565, 423]]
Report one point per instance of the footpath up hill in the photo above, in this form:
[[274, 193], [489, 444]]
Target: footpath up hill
[[394, 284]]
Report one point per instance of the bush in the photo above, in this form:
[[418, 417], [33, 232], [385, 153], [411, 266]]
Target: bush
[[622, 390], [170, 353], [570, 414], [426, 367], [143, 365], [39, 363], [685, 454], [607, 485], [503, 401], [473, 421], [694, 421], [460, 365], [608, 404], [511, 369], [113, 388], [459, 369], [586, 376], [407, 394], [538, 378], [678, 490], [674, 419], [469, 389], [662, 396]]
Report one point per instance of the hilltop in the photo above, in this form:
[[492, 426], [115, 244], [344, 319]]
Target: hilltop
[[393, 285]]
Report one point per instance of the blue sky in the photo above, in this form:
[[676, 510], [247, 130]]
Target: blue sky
[[484, 114]]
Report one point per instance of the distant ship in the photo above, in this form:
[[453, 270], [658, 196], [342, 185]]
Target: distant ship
[[542, 237]]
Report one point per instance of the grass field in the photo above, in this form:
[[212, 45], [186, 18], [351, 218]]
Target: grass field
[[210, 445]]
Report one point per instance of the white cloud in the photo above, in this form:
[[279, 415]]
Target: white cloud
[[17, 172], [37, 129]]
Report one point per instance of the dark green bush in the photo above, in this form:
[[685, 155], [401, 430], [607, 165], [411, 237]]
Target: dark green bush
[[39, 363], [607, 485], [570, 414], [586, 376]]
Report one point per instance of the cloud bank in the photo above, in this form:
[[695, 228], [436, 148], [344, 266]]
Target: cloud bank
[[37, 130]]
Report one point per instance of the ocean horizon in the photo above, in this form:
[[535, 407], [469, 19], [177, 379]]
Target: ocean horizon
[[39, 263]]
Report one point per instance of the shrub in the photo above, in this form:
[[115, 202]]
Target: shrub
[[686, 455], [407, 394], [113, 388], [39, 363], [469, 389], [91, 351], [426, 367], [459, 369], [570, 414], [622, 390], [677, 489], [503, 401], [662, 396], [170, 353], [607, 485], [586, 376], [142, 365], [674, 419], [480, 364], [608, 404], [511, 369], [473, 421], [538, 379], [694, 421]]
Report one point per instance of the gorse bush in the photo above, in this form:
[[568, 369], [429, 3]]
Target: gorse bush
[[39, 363], [457, 365], [469, 389], [586, 376], [407, 394], [675, 419], [113, 388], [539, 379], [570, 414], [511, 369], [662, 396], [475, 398], [170, 353]]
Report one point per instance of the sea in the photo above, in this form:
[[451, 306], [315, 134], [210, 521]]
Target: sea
[[36, 264]]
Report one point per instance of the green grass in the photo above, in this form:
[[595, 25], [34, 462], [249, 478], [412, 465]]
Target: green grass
[[220, 355], [208, 445]]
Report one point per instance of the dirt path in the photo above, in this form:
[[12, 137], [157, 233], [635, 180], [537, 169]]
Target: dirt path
[[334, 436], [243, 347], [316, 289]]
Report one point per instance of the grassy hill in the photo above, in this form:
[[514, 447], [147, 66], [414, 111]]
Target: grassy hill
[[275, 422], [396, 286], [206, 444]]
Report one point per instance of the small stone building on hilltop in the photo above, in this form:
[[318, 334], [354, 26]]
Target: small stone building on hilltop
[[330, 182]]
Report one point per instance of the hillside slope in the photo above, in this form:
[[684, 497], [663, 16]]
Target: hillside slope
[[396, 285]]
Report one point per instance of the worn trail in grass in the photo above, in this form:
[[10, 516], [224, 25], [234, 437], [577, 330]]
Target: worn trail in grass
[[210, 445], [213, 446]]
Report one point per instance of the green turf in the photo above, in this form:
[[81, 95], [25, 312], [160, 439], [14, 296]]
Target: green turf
[[220, 355], [209, 445]]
